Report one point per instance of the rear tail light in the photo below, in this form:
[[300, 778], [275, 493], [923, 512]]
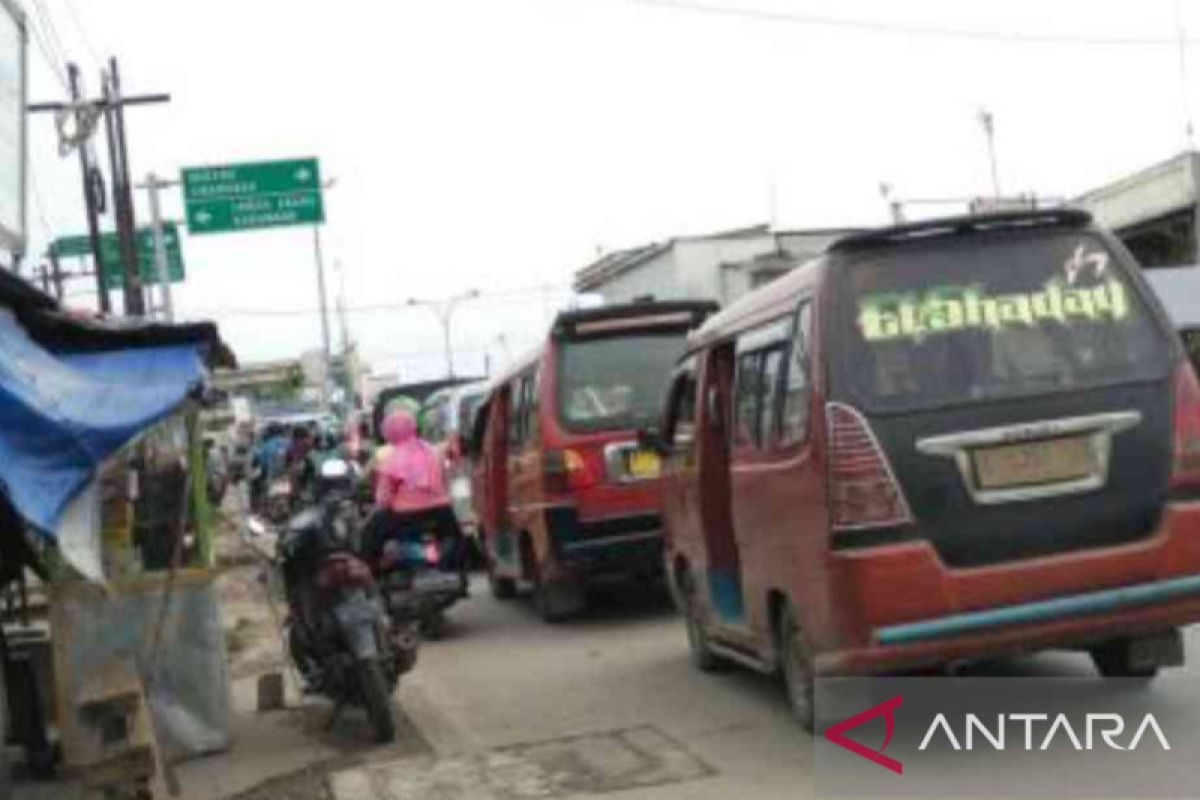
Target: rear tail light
[[343, 571], [432, 555], [863, 491], [567, 470], [1185, 464]]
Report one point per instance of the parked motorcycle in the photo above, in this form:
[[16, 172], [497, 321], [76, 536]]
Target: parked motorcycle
[[341, 639]]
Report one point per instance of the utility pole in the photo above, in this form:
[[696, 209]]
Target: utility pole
[[90, 175], [112, 104], [56, 276], [324, 316], [153, 185], [985, 119], [118, 154]]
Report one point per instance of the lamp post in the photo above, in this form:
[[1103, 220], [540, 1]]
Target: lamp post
[[444, 310]]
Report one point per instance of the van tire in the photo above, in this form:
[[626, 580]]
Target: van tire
[[502, 588], [796, 669], [703, 657], [1112, 660], [558, 601]]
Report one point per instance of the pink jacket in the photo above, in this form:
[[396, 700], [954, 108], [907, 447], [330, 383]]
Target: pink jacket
[[410, 477]]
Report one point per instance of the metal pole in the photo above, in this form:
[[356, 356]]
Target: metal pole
[[89, 197], [445, 319], [122, 202], [160, 247], [985, 117], [56, 276], [324, 315]]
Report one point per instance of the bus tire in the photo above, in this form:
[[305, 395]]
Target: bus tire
[[502, 588], [556, 601], [796, 669], [1113, 660]]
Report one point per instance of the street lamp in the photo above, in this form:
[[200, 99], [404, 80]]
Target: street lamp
[[444, 309]]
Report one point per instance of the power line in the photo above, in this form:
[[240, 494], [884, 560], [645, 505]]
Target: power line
[[77, 22], [51, 31], [56, 68], [369, 308], [910, 29]]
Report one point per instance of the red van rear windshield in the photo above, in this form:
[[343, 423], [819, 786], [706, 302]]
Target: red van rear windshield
[[615, 382], [993, 318]]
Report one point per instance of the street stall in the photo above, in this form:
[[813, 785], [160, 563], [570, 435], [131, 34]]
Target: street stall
[[104, 498]]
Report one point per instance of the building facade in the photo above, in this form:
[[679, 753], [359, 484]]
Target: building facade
[[721, 266], [1153, 210]]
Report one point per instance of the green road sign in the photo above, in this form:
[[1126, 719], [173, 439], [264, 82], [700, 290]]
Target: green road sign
[[110, 254], [239, 197]]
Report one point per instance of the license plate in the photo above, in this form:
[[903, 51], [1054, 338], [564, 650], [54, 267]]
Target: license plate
[[644, 464], [1033, 463]]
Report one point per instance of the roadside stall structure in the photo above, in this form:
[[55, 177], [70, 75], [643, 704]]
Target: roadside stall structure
[[103, 497]]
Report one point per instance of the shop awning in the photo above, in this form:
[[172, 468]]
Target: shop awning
[[62, 414]]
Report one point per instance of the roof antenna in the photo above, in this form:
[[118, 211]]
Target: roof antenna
[[1184, 96]]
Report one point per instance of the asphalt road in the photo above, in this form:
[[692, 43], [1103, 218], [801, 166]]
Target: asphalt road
[[515, 708]]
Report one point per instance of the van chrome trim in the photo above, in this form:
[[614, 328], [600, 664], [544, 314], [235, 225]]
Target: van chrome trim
[[1098, 602], [1100, 427]]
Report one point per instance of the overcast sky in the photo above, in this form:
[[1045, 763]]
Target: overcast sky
[[498, 144]]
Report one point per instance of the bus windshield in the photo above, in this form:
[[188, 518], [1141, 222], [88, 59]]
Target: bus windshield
[[1007, 317], [615, 382]]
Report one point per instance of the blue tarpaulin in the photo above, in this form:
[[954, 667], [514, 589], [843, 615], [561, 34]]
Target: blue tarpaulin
[[62, 415]]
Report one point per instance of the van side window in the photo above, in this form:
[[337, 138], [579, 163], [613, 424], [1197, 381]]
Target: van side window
[[681, 417], [772, 367], [797, 397], [529, 406], [516, 410], [745, 406]]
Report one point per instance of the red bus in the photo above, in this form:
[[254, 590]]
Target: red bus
[[563, 492], [937, 442]]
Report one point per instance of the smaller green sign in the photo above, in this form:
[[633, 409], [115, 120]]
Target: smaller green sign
[[110, 254], [264, 211]]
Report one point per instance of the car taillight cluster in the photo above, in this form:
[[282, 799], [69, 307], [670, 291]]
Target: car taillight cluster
[[338, 572], [1185, 464], [567, 470], [863, 491]]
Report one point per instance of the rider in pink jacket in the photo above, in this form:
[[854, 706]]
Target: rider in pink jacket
[[411, 477]]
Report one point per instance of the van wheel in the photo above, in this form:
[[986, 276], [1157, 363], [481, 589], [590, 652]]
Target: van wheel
[[558, 601], [703, 657], [1113, 660], [502, 588], [796, 667]]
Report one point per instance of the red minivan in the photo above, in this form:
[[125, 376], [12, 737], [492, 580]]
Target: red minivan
[[562, 490], [937, 442]]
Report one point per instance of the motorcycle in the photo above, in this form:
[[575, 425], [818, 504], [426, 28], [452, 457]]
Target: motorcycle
[[419, 574], [342, 641]]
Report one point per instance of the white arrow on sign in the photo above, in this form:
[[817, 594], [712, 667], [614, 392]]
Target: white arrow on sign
[[203, 217], [304, 174]]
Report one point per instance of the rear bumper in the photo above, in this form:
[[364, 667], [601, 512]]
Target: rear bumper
[[1009, 639], [628, 544], [905, 608]]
